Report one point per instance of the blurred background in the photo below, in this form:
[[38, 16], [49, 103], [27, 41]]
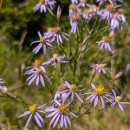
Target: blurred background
[[19, 27]]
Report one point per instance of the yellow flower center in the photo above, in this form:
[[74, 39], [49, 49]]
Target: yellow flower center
[[32, 108], [55, 56], [49, 29], [72, 87], [41, 1], [106, 39], [42, 39], [100, 90], [117, 99], [37, 62], [63, 108], [57, 29], [38, 70], [75, 17], [111, 7], [102, 65]]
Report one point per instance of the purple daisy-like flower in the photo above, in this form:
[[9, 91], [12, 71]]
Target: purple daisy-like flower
[[98, 93], [108, 13], [73, 8], [98, 68], [43, 42], [117, 99], [82, 3], [33, 112], [44, 6], [111, 1], [55, 34], [74, 21], [59, 113], [3, 88], [56, 59], [105, 43], [71, 91], [36, 73]]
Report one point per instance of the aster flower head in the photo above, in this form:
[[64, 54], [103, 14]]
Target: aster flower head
[[73, 8], [42, 43], [34, 112], [55, 59], [98, 68], [72, 92], [59, 113], [116, 100], [2, 87], [56, 34], [74, 21], [105, 43], [98, 93], [108, 13], [37, 73], [44, 6]]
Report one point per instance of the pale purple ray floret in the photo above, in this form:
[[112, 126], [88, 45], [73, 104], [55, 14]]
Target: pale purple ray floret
[[98, 68], [105, 43], [98, 93], [34, 112], [37, 73], [44, 6], [56, 59], [42, 43], [56, 34], [59, 113], [116, 100], [74, 1], [71, 91], [111, 1]]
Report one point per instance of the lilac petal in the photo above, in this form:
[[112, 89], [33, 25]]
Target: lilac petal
[[68, 120], [125, 103], [120, 106], [122, 95], [103, 104], [89, 97], [113, 104], [67, 84], [37, 80], [40, 118], [65, 122], [114, 92], [72, 97], [42, 80], [39, 34], [41, 106], [28, 120], [96, 101], [94, 96], [34, 42], [93, 86], [30, 82], [73, 114], [61, 121], [79, 98], [24, 114], [52, 114], [38, 121], [44, 49], [56, 121], [52, 120]]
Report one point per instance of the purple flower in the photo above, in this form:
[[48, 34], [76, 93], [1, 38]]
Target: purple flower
[[59, 112], [71, 91], [117, 100], [3, 88], [105, 43], [33, 112], [108, 13], [55, 34], [73, 8], [74, 21], [44, 6], [98, 68], [43, 42], [111, 1], [98, 93], [56, 59], [37, 73]]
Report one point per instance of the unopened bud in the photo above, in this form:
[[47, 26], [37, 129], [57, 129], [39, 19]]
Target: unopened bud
[[58, 12], [118, 75]]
